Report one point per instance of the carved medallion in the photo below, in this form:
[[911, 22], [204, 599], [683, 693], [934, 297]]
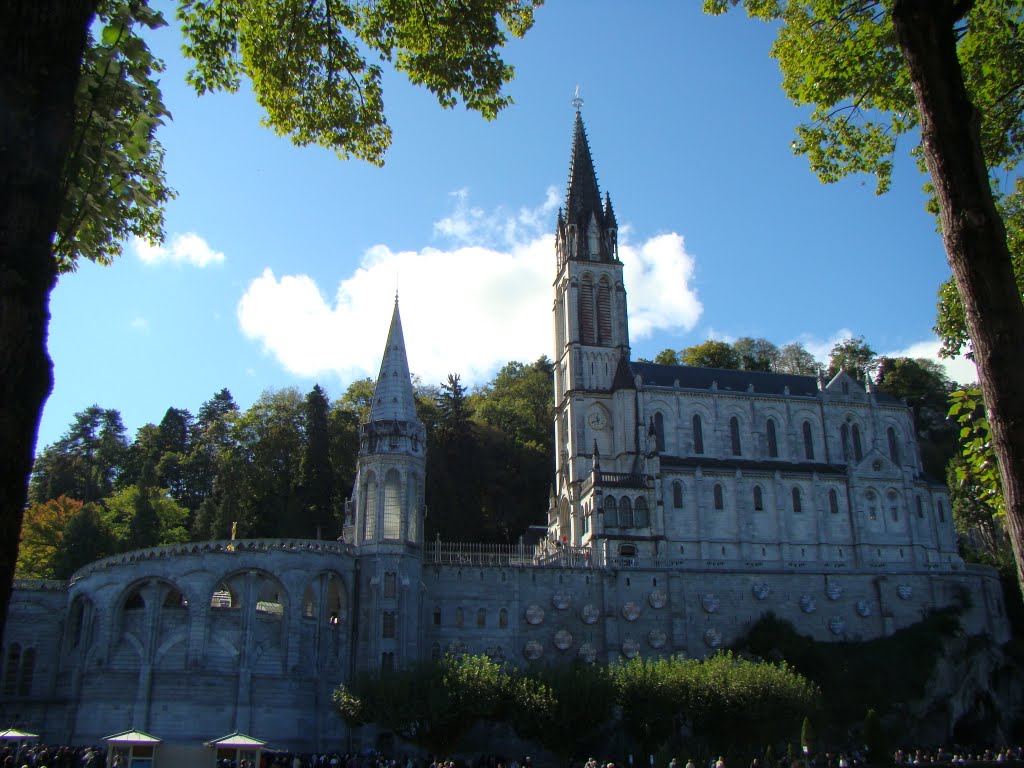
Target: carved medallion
[[656, 638], [808, 604], [563, 639], [905, 591], [560, 600], [833, 591], [589, 614], [630, 648], [863, 608], [710, 603], [760, 590], [534, 614], [837, 625], [713, 638], [533, 650], [587, 653], [456, 648], [631, 611], [657, 599]]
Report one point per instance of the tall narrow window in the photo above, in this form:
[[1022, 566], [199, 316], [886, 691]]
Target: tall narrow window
[[698, 435], [858, 449], [388, 625], [677, 494], [844, 439], [503, 618], [659, 432], [611, 513], [11, 664], [894, 447], [719, 496], [920, 507], [587, 310], [437, 616], [942, 510], [808, 441], [387, 661], [460, 617], [773, 440], [625, 513], [833, 501], [415, 510], [390, 582], [758, 499], [640, 517], [798, 505], [28, 668], [481, 617], [604, 311], [734, 436], [392, 505], [370, 508]]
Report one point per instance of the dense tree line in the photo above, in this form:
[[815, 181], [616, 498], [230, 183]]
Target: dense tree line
[[283, 468], [723, 703]]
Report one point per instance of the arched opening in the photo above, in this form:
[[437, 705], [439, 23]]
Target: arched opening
[[611, 513], [773, 440], [734, 436], [392, 505], [698, 434], [369, 506], [808, 441]]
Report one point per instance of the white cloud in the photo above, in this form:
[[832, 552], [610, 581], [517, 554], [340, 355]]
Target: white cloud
[[468, 309], [188, 248]]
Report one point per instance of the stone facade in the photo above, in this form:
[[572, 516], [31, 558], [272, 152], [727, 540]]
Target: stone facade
[[687, 503]]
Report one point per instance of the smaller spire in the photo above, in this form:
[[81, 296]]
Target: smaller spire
[[609, 213]]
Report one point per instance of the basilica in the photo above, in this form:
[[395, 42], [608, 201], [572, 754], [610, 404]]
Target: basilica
[[686, 503]]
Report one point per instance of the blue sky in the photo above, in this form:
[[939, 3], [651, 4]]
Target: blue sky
[[281, 263]]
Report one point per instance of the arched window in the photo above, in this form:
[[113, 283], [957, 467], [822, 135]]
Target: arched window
[[719, 496], [459, 617], [390, 584], [698, 435], [11, 664], [625, 513], [28, 668], [503, 618], [611, 513], [844, 439], [833, 501], [677, 494], [808, 441], [858, 450], [942, 510], [388, 625], [894, 448], [604, 311], [773, 440], [798, 505], [587, 310], [659, 432], [370, 508], [894, 505], [641, 518], [920, 507], [734, 436], [392, 505], [758, 499], [481, 617]]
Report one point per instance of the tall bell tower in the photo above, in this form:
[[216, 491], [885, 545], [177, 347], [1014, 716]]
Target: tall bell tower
[[386, 525], [591, 334]]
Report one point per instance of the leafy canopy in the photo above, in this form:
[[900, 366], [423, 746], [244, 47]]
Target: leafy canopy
[[315, 65]]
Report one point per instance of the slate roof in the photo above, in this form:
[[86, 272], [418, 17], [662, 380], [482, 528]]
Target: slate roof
[[393, 397], [727, 380]]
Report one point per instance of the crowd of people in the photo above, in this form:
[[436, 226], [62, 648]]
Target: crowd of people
[[46, 756]]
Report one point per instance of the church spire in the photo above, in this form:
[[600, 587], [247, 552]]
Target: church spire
[[393, 398], [583, 197]]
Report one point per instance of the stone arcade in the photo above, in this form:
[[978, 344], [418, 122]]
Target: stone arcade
[[687, 502]]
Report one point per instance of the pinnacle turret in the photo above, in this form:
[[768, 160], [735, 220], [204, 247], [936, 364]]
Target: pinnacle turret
[[393, 398]]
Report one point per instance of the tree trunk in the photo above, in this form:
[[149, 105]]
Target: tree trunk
[[973, 233], [41, 47]]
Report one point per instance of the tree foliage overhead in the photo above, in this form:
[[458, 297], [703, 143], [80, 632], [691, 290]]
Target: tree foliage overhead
[[316, 67]]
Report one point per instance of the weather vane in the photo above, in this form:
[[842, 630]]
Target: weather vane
[[577, 101]]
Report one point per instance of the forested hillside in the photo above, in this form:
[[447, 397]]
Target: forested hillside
[[284, 467]]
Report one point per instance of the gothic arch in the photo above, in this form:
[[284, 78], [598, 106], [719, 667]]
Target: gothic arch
[[392, 528], [368, 506]]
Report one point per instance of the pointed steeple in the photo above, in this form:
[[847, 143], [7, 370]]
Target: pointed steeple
[[393, 398], [583, 197], [609, 213]]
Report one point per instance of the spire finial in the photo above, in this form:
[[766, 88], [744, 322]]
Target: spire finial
[[577, 101]]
